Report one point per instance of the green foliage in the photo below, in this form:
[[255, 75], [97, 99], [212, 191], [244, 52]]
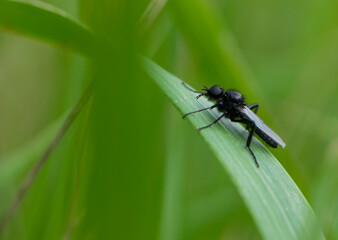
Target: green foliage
[[129, 167]]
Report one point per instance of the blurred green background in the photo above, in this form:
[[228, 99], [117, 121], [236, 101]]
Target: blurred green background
[[130, 168]]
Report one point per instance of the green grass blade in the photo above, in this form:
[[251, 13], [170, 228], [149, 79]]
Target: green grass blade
[[15, 163], [46, 22], [207, 33], [172, 224], [277, 205]]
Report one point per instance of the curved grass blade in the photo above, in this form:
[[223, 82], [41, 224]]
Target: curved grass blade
[[55, 26], [15, 163], [276, 204], [51, 24], [31, 176]]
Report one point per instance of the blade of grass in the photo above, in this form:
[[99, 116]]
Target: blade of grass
[[25, 17], [43, 158], [171, 223], [14, 164], [53, 25], [206, 31], [277, 205], [151, 14], [44, 21]]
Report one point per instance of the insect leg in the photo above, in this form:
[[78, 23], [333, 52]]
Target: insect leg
[[208, 108], [254, 107], [212, 123], [245, 121], [248, 142], [251, 125]]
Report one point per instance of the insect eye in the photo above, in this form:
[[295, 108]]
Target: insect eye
[[215, 90]]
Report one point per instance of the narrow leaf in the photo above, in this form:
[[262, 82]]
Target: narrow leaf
[[46, 22], [277, 205]]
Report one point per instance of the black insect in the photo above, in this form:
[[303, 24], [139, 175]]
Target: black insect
[[232, 105]]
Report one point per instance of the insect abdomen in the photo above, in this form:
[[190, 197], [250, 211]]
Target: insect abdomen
[[266, 138]]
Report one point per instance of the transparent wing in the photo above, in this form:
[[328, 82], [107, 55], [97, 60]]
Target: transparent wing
[[262, 126]]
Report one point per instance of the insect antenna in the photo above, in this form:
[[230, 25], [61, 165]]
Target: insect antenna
[[203, 94], [192, 90], [205, 88]]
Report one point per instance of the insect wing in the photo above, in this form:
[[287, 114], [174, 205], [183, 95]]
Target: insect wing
[[262, 126]]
